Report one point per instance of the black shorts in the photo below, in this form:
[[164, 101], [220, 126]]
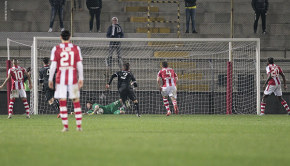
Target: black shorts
[[49, 93], [126, 93]]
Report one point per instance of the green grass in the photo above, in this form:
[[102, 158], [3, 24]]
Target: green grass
[[185, 140]]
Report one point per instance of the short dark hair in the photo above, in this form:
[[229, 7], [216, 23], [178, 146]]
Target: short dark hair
[[271, 60], [65, 35], [14, 59], [164, 64], [28, 69], [126, 66], [45, 60], [89, 101]]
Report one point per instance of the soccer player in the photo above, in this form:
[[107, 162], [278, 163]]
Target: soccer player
[[43, 79], [113, 108], [16, 73], [273, 85], [167, 80], [67, 59], [125, 80]]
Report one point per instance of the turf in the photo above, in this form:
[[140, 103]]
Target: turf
[[150, 140]]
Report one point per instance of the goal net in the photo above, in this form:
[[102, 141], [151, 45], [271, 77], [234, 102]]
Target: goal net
[[216, 76]]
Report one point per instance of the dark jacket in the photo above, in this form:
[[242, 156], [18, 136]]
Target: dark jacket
[[57, 3], [190, 3], [260, 5], [94, 3], [118, 32]]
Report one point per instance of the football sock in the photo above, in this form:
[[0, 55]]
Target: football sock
[[63, 113], [285, 105], [11, 106], [26, 106], [78, 114], [263, 106], [166, 104], [174, 102], [137, 107]]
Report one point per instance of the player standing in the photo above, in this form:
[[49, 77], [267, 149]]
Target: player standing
[[168, 86], [43, 79], [67, 59], [274, 85], [16, 73], [125, 80]]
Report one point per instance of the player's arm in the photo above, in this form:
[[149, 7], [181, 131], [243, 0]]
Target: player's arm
[[40, 80], [111, 79], [134, 82], [52, 68], [6, 80], [80, 69], [284, 80], [159, 82], [175, 78], [268, 79], [29, 79]]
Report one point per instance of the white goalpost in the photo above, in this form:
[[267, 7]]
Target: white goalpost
[[216, 76]]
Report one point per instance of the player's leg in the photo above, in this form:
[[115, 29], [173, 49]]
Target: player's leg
[[49, 94], [165, 95], [278, 93], [133, 98], [23, 96], [11, 104], [74, 94], [61, 94], [173, 96], [120, 61], [268, 91]]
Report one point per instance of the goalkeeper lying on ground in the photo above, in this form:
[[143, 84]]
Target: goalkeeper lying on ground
[[113, 108]]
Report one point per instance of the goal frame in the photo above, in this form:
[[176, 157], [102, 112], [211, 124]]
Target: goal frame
[[229, 40]]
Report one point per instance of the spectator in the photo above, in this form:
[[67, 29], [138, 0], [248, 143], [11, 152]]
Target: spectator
[[95, 7], [260, 7], [190, 7], [80, 4], [115, 31], [56, 7]]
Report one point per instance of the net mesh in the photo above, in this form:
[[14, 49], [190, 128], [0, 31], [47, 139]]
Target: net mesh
[[200, 65]]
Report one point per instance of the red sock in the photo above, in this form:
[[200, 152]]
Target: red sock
[[78, 114], [166, 104], [285, 105], [263, 106], [63, 112], [26, 106], [10, 110]]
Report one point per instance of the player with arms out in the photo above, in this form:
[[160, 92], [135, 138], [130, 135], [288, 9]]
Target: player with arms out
[[273, 85], [16, 73], [66, 58], [167, 80], [43, 79], [125, 80]]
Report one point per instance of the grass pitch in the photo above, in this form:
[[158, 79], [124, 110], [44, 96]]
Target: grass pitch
[[150, 140]]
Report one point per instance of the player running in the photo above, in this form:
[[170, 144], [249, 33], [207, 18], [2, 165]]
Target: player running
[[16, 73], [274, 85], [67, 59], [125, 80], [168, 86], [43, 79], [113, 108]]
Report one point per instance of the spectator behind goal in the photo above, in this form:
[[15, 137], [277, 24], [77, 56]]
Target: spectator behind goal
[[190, 7], [261, 8], [95, 7], [56, 7]]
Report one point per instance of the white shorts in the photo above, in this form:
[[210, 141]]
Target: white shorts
[[276, 89], [170, 91], [18, 92], [61, 91]]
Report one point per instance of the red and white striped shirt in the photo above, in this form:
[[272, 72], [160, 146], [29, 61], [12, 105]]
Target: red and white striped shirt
[[67, 56], [168, 77], [275, 71], [17, 76]]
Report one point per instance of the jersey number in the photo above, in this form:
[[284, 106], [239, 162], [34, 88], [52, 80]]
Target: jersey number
[[275, 72], [47, 72], [168, 73], [18, 75], [64, 61]]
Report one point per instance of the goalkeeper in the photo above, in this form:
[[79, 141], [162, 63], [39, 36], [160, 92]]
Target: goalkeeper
[[113, 108]]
